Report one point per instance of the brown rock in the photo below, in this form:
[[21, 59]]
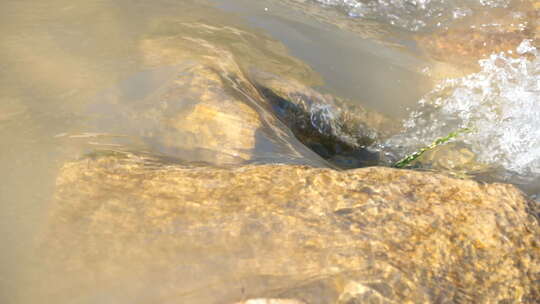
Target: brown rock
[[199, 115], [127, 229], [466, 46], [456, 50], [213, 110], [271, 301], [213, 125], [260, 72]]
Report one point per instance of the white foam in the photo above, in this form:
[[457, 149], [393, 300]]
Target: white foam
[[501, 103]]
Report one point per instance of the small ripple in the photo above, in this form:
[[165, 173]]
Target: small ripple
[[415, 15]]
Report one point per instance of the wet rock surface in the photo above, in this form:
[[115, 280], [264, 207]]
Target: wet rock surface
[[477, 37], [203, 104], [200, 114], [271, 301], [337, 130], [130, 227], [195, 103], [465, 46]]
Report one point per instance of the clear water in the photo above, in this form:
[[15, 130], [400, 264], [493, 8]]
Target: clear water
[[358, 61], [73, 73]]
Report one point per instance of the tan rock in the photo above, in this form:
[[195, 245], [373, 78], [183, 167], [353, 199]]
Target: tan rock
[[261, 70], [214, 110], [129, 229], [198, 114], [270, 301], [213, 125]]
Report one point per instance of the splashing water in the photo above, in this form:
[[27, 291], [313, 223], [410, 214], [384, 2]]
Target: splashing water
[[415, 15], [501, 103]]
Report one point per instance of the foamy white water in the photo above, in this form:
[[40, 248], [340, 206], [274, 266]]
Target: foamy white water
[[502, 105]]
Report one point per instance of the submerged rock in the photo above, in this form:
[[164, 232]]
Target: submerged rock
[[337, 130], [271, 301], [201, 103], [477, 37], [454, 158], [196, 113], [465, 46], [123, 228]]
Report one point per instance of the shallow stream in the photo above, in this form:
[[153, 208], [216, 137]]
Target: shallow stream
[[83, 76]]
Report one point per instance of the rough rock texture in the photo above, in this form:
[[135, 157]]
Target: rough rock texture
[[123, 228], [271, 301]]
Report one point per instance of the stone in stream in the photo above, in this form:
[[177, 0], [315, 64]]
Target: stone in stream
[[454, 158], [456, 50], [202, 113], [270, 301], [202, 104], [340, 131], [195, 102], [198, 114], [125, 228]]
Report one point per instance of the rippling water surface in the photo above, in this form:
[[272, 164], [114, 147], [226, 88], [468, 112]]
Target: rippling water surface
[[499, 104], [80, 76], [418, 15]]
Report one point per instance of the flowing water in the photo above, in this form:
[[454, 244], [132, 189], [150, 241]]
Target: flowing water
[[499, 104], [80, 76], [417, 15]]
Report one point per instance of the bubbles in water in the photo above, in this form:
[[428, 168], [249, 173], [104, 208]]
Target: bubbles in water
[[502, 105], [415, 15]]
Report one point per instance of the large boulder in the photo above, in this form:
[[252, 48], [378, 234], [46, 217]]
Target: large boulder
[[126, 228]]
